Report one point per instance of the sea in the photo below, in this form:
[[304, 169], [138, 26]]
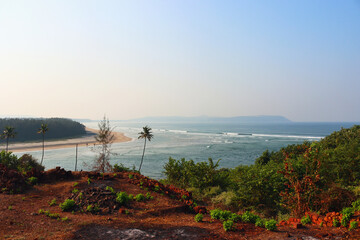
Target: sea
[[235, 144]]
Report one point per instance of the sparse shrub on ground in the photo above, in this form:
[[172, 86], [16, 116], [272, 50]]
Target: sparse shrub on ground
[[271, 225], [140, 197], [356, 205], [228, 225], [75, 184], [345, 219], [199, 217], [110, 189], [353, 225], [92, 208], [235, 217], [75, 190], [249, 217], [67, 205], [33, 180], [52, 202], [260, 222], [121, 168], [336, 223], [122, 198], [305, 220], [148, 196]]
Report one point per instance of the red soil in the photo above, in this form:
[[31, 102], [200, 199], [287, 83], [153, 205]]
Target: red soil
[[162, 217]]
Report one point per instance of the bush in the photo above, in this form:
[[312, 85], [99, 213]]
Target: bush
[[215, 214], [92, 209], [110, 189], [353, 225], [228, 225], [140, 197], [67, 205], [198, 217], [260, 222], [33, 180], [120, 168], [345, 220], [249, 217], [305, 220], [336, 223], [148, 196], [75, 190], [52, 202], [225, 215], [122, 198], [235, 217], [271, 225], [348, 211], [356, 205]]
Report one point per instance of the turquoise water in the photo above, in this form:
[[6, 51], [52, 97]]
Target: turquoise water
[[234, 144]]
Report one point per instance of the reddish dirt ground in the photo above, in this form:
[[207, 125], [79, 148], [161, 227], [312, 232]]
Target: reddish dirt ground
[[158, 218]]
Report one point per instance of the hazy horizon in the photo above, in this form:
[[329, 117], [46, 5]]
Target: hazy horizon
[[131, 59]]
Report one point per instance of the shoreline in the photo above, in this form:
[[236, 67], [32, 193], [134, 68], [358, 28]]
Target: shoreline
[[67, 143]]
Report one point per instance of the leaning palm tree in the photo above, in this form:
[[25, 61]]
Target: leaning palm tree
[[42, 130], [146, 134], [8, 133]]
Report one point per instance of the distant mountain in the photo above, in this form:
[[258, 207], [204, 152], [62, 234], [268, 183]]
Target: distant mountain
[[205, 119]]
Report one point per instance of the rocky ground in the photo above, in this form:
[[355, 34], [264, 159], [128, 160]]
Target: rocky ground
[[162, 216]]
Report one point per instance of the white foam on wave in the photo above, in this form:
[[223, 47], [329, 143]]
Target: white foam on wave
[[178, 131], [286, 136]]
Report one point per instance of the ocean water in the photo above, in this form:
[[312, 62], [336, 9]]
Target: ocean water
[[234, 144]]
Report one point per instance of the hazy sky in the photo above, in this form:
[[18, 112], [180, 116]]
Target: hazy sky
[[127, 59]]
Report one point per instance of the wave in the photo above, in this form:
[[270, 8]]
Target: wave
[[236, 134], [286, 136], [178, 131]]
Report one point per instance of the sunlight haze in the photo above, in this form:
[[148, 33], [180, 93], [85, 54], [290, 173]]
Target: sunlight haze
[[131, 59]]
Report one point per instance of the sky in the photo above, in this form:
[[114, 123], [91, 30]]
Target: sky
[[138, 58]]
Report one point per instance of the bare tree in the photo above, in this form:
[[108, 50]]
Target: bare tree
[[105, 138]]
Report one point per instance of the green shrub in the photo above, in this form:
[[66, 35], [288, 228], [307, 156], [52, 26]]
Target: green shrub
[[249, 217], [356, 205], [225, 215], [198, 217], [235, 217], [92, 209], [348, 211], [260, 222], [215, 214], [271, 225], [131, 176], [75, 184], [120, 168], [305, 220], [345, 219], [75, 190], [122, 198], [140, 197], [353, 225], [67, 205], [228, 225], [53, 202], [89, 181], [336, 223], [33, 180], [148, 196], [108, 188], [64, 219]]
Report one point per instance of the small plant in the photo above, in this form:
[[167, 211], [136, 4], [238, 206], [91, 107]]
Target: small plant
[[148, 196], [64, 219], [249, 217], [52, 215], [140, 197], [75, 190], [215, 214], [305, 220], [75, 184], [336, 222], [348, 211], [271, 225], [184, 197], [10, 207], [157, 188], [131, 176], [260, 222], [41, 211], [92, 209], [32, 180], [122, 198], [115, 175], [67, 205], [235, 217], [52, 202], [356, 205], [108, 188], [321, 224], [23, 198], [89, 181], [345, 219], [353, 225], [198, 217], [225, 215], [228, 225]]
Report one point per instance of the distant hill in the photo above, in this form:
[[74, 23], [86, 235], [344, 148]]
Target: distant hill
[[205, 119]]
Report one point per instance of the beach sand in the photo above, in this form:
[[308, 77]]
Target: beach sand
[[88, 139]]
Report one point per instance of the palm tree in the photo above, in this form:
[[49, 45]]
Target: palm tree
[[9, 132], [146, 134], [42, 130]]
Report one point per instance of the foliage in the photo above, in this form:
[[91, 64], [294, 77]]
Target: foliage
[[228, 225], [348, 211], [140, 197], [305, 220], [215, 213], [271, 225], [121, 168], [9, 132], [27, 128], [105, 138], [148, 196], [198, 217], [235, 217], [23, 164], [336, 222], [260, 222], [302, 175], [345, 220], [353, 225], [108, 188], [33, 180], [92, 208], [75, 190], [356, 205], [146, 134], [249, 217], [52, 202], [42, 130], [67, 205], [122, 198]]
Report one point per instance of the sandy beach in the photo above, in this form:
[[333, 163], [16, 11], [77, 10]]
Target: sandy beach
[[88, 139]]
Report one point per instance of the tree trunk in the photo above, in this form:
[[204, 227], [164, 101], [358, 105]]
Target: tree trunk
[[43, 147], [142, 156]]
